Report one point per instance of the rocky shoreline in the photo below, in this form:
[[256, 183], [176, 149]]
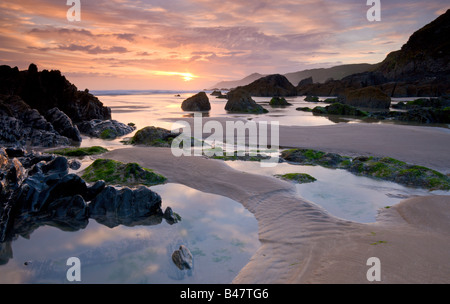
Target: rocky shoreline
[[44, 109], [37, 189]]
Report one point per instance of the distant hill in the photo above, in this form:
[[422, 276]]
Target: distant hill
[[324, 74], [318, 75], [237, 83]]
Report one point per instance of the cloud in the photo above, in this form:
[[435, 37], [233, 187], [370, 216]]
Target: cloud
[[211, 39]]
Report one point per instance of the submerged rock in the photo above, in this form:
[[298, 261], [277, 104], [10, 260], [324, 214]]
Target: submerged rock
[[183, 258]]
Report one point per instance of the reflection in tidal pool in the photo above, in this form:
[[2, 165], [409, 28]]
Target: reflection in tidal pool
[[220, 233], [341, 193]]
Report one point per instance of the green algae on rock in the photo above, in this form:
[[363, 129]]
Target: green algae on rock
[[117, 173], [80, 151], [301, 178], [385, 168]]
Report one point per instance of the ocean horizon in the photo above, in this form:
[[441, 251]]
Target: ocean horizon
[[141, 92]]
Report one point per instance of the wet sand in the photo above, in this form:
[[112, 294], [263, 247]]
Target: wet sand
[[302, 243]]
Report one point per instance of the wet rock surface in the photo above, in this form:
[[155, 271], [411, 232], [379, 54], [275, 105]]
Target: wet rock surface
[[105, 129], [36, 189]]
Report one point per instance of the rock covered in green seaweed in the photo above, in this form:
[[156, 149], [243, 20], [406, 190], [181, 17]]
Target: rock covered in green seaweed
[[153, 136], [80, 151], [301, 178], [118, 173], [384, 168]]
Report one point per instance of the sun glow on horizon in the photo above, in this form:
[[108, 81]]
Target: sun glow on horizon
[[185, 76]]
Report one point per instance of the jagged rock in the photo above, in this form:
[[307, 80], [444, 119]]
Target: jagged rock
[[183, 258], [63, 124], [198, 102], [240, 100], [105, 129], [22, 125], [112, 207], [46, 90]]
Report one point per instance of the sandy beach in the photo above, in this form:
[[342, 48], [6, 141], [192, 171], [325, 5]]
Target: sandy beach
[[301, 242]]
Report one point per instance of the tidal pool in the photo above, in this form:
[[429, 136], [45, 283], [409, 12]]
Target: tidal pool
[[220, 233], [341, 193]]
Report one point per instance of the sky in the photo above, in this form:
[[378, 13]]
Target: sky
[[193, 44]]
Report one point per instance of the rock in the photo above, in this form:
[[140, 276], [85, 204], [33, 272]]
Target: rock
[[63, 124], [183, 258], [300, 178], [170, 216], [117, 173], [216, 93], [46, 194], [112, 207], [94, 190], [105, 129], [22, 125], [369, 97], [305, 82], [310, 98], [240, 100], [15, 152], [279, 101], [46, 90], [271, 85], [313, 157], [198, 102], [74, 164], [153, 136], [339, 109]]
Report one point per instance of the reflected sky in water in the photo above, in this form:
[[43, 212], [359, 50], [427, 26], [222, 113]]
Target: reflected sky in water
[[221, 234], [341, 193]]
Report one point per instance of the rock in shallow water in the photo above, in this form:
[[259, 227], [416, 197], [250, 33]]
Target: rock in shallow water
[[105, 129], [183, 258]]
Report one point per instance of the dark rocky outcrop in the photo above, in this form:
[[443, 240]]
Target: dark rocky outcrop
[[112, 207], [420, 68], [63, 124], [105, 129], [46, 90], [41, 108], [198, 102], [240, 100], [368, 97], [37, 189], [22, 125], [270, 86]]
